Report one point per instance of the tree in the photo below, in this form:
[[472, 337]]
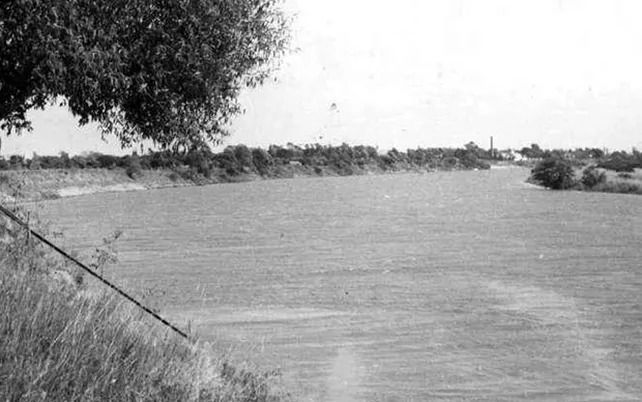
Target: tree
[[243, 156], [555, 173], [166, 71], [534, 152], [262, 160]]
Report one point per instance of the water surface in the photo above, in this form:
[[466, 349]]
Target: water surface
[[441, 286]]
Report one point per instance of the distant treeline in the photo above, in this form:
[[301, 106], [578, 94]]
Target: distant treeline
[[239, 159], [236, 160]]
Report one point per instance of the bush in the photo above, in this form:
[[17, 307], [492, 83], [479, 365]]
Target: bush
[[173, 176], [132, 166], [244, 156], [199, 160], [262, 160], [554, 173], [107, 161], [591, 177]]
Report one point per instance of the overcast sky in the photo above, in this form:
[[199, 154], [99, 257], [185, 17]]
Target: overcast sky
[[561, 73]]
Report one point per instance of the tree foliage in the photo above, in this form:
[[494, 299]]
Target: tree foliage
[[622, 162], [238, 159], [166, 71]]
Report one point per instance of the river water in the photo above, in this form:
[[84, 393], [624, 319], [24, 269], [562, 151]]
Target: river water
[[413, 287]]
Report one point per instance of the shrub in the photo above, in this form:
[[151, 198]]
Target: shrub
[[554, 173], [243, 155], [107, 161], [228, 162], [591, 177], [79, 161], [133, 172], [199, 160], [450, 162], [17, 161], [132, 166], [262, 160], [161, 160], [173, 176]]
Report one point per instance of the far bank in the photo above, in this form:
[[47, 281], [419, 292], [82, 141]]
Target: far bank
[[47, 177], [37, 185]]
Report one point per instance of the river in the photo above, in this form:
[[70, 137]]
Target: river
[[413, 287]]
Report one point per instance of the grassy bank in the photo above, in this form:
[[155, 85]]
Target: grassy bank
[[59, 341], [56, 183]]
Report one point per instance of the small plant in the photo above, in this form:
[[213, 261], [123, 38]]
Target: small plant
[[106, 254], [174, 177], [134, 170]]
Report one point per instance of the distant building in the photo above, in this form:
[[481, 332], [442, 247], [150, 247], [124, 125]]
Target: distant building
[[509, 155]]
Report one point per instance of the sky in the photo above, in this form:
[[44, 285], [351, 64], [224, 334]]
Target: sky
[[409, 73]]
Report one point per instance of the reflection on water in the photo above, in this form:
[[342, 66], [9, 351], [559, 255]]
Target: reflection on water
[[451, 286], [343, 378]]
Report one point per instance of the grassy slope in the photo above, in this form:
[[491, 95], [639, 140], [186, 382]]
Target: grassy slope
[[60, 343], [54, 183]]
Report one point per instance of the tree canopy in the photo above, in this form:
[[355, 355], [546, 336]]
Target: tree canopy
[[168, 71]]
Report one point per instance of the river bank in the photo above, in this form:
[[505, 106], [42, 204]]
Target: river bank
[[34, 185], [45, 177], [37, 185]]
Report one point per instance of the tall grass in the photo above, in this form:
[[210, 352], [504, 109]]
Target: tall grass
[[619, 186], [597, 179], [59, 342]]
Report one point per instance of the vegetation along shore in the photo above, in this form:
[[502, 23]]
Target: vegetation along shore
[[49, 177], [46, 177], [617, 172]]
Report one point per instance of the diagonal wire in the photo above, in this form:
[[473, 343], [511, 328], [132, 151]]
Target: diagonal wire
[[40, 237]]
